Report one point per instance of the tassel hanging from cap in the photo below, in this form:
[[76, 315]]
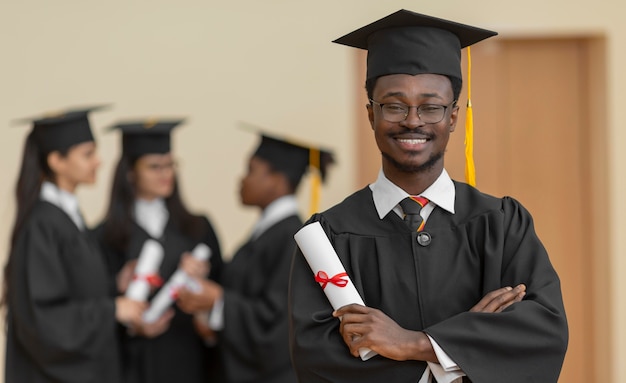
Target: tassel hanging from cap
[[470, 170], [316, 180]]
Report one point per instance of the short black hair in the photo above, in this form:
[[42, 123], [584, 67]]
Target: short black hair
[[456, 82]]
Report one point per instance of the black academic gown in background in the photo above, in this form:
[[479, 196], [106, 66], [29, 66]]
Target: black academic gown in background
[[487, 244], [61, 319], [254, 344], [179, 354]]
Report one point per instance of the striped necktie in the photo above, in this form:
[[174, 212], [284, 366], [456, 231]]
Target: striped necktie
[[412, 207]]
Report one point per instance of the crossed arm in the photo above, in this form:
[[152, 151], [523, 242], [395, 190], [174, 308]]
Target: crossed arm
[[368, 327]]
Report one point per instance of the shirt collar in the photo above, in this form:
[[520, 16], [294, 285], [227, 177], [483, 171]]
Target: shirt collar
[[152, 216], [276, 211], [62, 199], [387, 195]]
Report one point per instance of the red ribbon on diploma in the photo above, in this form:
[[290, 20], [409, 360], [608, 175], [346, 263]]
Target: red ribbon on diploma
[[337, 280], [153, 279]]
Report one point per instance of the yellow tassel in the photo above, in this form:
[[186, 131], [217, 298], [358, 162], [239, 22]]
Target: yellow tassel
[[316, 180], [470, 171]]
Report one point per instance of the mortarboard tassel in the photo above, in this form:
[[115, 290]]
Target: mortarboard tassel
[[470, 170], [316, 181]]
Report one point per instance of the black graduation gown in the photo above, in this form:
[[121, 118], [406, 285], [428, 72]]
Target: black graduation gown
[[254, 343], [489, 243], [179, 354], [61, 319]]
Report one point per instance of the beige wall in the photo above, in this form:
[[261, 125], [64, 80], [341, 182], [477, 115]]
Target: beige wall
[[268, 62]]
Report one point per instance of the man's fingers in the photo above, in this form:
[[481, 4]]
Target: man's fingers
[[351, 308], [516, 298], [498, 300], [504, 300], [488, 299]]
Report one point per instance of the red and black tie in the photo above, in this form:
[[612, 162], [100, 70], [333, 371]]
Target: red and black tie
[[412, 207]]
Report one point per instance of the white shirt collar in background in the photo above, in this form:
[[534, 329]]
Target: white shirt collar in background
[[64, 200], [152, 216], [278, 210]]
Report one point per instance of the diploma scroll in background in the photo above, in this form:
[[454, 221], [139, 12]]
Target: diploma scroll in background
[[167, 295], [148, 264], [321, 257]]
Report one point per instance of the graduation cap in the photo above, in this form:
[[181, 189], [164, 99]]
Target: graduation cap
[[406, 42], [146, 136], [294, 158], [62, 129], [411, 43]]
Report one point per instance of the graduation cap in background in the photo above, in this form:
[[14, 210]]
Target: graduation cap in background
[[146, 136], [294, 158], [62, 129], [411, 43]]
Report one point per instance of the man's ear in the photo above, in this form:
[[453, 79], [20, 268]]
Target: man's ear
[[454, 117], [281, 183], [370, 114]]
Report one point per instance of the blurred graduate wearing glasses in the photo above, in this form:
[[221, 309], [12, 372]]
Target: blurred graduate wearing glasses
[[146, 204], [61, 312], [248, 310]]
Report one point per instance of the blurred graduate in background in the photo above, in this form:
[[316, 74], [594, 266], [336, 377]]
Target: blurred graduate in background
[[248, 310], [146, 204], [61, 311]]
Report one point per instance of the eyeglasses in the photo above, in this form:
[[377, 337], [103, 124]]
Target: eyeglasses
[[158, 168], [428, 113]]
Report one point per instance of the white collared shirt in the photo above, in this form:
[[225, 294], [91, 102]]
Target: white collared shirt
[[152, 216], [387, 195], [276, 211], [442, 193], [64, 200]]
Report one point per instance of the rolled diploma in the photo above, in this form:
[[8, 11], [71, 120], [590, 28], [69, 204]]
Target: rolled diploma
[[321, 256], [148, 263], [167, 295]]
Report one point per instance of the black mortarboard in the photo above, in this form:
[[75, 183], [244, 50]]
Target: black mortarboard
[[293, 158], [406, 42], [62, 129], [149, 136]]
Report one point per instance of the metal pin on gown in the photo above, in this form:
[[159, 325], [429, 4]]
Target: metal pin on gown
[[412, 206]]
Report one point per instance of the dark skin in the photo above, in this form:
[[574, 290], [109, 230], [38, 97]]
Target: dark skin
[[368, 327], [412, 166], [412, 158], [261, 186]]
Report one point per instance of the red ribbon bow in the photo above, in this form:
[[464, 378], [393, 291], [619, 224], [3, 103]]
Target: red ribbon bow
[[337, 280], [153, 279]]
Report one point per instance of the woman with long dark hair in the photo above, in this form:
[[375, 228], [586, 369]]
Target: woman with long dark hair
[[61, 313], [146, 204]]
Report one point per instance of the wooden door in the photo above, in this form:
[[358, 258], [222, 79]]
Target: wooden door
[[539, 136]]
